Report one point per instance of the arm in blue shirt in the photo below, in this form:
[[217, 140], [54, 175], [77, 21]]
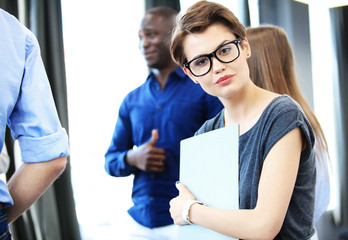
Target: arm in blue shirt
[[34, 120], [121, 143], [190, 112], [27, 106]]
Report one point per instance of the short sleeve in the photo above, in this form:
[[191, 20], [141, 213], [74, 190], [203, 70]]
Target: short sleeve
[[285, 116]]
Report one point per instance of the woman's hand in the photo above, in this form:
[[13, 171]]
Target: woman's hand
[[177, 204]]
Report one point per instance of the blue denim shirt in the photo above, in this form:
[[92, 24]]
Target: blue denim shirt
[[26, 102], [177, 112]]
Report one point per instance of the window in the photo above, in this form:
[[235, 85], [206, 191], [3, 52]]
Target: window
[[96, 34]]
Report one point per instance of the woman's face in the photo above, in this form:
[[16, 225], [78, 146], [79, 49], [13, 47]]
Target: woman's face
[[224, 79]]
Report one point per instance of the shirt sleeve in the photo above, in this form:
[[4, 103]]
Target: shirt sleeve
[[284, 118], [121, 143], [34, 120]]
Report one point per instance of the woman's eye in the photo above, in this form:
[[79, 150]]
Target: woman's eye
[[225, 50], [200, 62]]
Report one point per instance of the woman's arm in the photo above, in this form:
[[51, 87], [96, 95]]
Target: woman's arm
[[276, 185]]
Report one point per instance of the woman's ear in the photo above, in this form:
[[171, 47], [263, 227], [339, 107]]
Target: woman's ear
[[246, 47], [188, 73]]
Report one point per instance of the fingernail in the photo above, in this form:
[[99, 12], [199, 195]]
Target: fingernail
[[177, 182]]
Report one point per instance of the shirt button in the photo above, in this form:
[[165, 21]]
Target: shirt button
[[151, 199], [159, 107]]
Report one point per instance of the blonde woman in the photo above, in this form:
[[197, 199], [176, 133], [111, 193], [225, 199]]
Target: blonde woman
[[272, 67]]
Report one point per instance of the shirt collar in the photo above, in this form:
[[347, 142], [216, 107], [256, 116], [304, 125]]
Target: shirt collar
[[178, 71]]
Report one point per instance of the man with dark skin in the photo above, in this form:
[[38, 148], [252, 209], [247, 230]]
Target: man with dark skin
[[152, 121]]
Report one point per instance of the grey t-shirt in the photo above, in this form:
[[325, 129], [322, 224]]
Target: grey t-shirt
[[281, 116]]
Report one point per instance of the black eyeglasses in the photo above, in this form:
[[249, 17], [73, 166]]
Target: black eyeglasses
[[227, 53]]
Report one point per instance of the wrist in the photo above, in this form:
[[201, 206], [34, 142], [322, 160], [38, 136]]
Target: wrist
[[186, 210], [128, 159]]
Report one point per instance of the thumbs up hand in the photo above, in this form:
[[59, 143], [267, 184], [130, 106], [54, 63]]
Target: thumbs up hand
[[154, 137], [147, 157]]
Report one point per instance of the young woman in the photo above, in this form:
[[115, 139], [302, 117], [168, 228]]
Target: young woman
[[272, 68], [277, 167]]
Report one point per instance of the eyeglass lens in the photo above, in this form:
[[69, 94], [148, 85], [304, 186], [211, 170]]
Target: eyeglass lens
[[226, 53]]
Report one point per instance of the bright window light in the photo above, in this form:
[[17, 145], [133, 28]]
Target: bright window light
[[326, 3], [98, 37]]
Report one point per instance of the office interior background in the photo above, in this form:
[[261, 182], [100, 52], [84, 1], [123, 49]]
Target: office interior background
[[90, 51]]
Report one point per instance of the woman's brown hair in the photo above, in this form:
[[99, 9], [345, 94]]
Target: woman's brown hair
[[197, 19], [272, 68]]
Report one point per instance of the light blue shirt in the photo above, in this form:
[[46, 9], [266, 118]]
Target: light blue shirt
[[26, 102]]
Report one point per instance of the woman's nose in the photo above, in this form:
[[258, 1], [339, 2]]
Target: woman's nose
[[217, 66]]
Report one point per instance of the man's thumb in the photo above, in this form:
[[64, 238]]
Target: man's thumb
[[154, 137]]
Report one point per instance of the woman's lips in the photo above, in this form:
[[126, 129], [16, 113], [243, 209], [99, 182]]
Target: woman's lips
[[224, 80]]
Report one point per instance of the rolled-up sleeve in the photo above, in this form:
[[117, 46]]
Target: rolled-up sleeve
[[44, 148], [34, 120]]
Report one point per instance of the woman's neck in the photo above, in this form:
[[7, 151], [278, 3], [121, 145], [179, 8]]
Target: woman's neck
[[246, 107]]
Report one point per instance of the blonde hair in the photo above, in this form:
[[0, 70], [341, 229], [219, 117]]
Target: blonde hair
[[272, 68]]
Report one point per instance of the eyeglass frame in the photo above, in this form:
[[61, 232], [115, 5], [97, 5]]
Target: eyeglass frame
[[213, 54]]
